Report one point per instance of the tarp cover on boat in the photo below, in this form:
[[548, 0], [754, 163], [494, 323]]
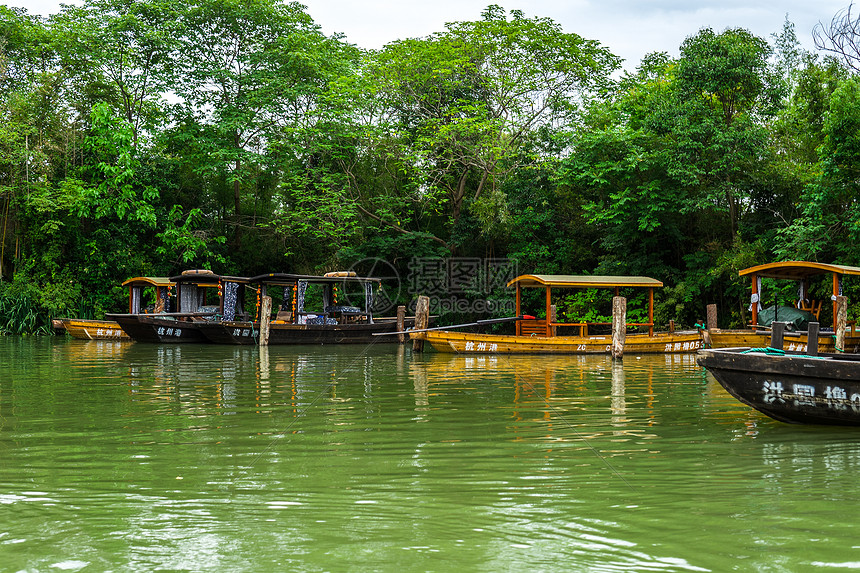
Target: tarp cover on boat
[[797, 319]]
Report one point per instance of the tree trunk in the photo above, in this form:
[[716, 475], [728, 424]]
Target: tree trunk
[[237, 204]]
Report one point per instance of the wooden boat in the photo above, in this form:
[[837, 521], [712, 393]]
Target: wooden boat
[[91, 329], [801, 271], [293, 321], [537, 336], [790, 386], [202, 297]]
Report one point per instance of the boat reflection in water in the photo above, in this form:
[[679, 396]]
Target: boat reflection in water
[[573, 396]]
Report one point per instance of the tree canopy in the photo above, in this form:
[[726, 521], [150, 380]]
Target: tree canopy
[[144, 137]]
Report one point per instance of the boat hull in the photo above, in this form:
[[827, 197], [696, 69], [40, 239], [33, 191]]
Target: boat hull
[[790, 388], [159, 328], [86, 329], [248, 333], [464, 342], [792, 342]]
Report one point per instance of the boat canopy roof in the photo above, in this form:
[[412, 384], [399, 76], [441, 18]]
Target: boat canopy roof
[[798, 270], [583, 281], [148, 281], [290, 279], [206, 278]]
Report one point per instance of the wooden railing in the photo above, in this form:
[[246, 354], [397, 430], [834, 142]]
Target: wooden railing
[[538, 327]]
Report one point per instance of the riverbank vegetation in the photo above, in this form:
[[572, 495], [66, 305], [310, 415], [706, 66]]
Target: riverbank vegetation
[[144, 138]]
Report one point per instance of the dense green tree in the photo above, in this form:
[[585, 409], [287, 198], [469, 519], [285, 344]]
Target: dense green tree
[[83, 236], [119, 52], [729, 91], [504, 136], [829, 226], [250, 70], [34, 131], [674, 165], [461, 107]]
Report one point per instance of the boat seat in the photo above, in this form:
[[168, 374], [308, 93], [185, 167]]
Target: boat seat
[[530, 327], [284, 315], [343, 309], [811, 306]]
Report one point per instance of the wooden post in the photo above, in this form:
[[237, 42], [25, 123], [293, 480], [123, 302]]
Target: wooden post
[[841, 322], [812, 339], [401, 322], [265, 317], [422, 318], [777, 335], [519, 310], [160, 298], [711, 322], [650, 311], [551, 318], [619, 325], [548, 311], [671, 325], [835, 297]]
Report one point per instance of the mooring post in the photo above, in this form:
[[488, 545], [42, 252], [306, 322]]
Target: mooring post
[[841, 322], [422, 319], [711, 322], [401, 324], [619, 325], [265, 317], [777, 335], [812, 339]]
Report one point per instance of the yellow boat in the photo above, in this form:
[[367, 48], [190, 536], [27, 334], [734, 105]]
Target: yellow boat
[[91, 329], [541, 336], [801, 271]]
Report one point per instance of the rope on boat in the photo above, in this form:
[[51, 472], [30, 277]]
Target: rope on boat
[[779, 352], [768, 350]]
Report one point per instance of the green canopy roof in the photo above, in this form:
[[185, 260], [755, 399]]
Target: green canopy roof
[[143, 281], [797, 270], [583, 281]]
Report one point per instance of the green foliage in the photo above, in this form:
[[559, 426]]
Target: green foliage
[[119, 52], [284, 149], [20, 313], [463, 106], [184, 243], [110, 186], [829, 225]]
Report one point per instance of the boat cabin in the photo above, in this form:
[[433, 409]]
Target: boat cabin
[[204, 293], [138, 288], [549, 326], [802, 272], [332, 297]]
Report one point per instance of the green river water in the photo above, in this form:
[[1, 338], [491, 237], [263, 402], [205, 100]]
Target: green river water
[[135, 457]]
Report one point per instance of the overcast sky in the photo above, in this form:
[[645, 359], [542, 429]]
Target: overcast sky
[[629, 28]]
